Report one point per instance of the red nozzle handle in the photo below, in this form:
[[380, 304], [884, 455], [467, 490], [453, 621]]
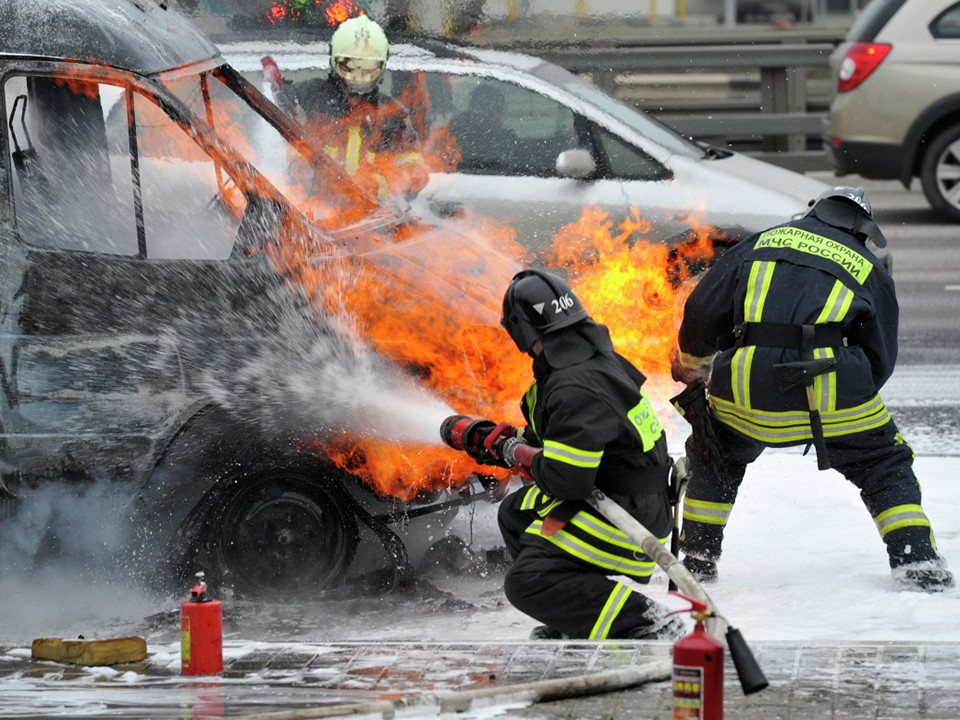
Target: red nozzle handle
[[697, 607]]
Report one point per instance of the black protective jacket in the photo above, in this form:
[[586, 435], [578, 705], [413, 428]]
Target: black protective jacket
[[740, 315], [386, 127], [586, 409]]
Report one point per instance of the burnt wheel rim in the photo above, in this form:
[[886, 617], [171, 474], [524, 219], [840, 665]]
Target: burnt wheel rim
[[283, 534]]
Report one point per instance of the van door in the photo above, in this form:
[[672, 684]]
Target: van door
[[119, 287]]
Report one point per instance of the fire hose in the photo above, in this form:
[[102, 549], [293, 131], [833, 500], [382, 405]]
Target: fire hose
[[464, 433]]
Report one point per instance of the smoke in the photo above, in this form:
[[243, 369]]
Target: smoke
[[316, 376], [64, 568]]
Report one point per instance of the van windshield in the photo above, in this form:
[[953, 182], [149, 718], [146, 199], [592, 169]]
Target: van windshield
[[306, 178]]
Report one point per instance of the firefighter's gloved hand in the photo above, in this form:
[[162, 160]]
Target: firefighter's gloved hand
[[271, 72], [687, 375], [495, 439], [518, 455]]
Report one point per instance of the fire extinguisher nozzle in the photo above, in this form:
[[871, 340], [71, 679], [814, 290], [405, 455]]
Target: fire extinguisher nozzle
[[751, 677]]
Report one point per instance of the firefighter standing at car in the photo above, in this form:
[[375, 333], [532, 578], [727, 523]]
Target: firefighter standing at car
[[794, 330], [369, 134], [588, 425]]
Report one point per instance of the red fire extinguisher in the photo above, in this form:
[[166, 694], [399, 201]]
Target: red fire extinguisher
[[697, 670], [201, 632]]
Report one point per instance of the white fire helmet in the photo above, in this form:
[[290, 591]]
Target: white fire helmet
[[358, 54]]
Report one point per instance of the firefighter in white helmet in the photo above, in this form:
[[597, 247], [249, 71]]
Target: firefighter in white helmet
[[356, 120]]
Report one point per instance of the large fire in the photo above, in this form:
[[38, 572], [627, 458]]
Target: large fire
[[428, 298], [431, 303]]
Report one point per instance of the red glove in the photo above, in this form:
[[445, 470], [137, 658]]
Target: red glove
[[497, 436], [271, 71]]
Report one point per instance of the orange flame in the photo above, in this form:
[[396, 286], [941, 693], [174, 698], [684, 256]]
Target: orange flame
[[432, 305]]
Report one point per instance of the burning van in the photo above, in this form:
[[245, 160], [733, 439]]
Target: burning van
[[201, 314]]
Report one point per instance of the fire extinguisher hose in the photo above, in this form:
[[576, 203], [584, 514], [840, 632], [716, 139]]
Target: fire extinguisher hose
[[671, 565], [751, 676], [459, 701]]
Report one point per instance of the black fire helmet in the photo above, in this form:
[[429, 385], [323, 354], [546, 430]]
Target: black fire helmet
[[538, 303], [847, 208]]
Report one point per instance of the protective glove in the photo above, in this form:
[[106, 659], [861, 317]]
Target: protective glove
[[271, 72], [494, 440], [688, 375], [517, 454]]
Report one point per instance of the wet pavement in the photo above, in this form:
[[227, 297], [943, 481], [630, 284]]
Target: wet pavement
[[471, 680]]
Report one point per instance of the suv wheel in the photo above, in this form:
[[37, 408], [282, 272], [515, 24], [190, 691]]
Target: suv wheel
[[940, 173]]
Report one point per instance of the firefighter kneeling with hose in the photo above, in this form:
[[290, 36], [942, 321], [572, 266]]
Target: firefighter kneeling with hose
[[588, 427]]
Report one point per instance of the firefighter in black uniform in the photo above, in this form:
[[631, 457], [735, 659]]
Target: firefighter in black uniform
[[588, 425], [356, 120], [794, 331]]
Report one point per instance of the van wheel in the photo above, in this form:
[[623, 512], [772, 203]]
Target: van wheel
[[940, 173], [277, 534]]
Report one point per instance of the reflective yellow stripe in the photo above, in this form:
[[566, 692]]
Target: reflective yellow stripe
[[901, 516], [825, 386], [602, 531], [711, 513], [570, 455], [582, 550], [793, 426], [695, 362], [834, 310], [611, 609], [530, 397], [646, 422], [740, 366], [758, 284], [351, 159], [807, 242], [837, 305], [411, 158], [530, 498]]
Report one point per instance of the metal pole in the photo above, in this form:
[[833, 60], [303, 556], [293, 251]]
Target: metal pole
[[729, 13]]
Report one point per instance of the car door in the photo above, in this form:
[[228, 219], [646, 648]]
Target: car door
[[510, 138]]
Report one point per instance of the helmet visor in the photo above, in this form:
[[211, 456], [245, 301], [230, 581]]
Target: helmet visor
[[361, 76]]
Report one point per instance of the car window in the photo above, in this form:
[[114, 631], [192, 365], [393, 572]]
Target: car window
[[83, 181], [947, 25], [506, 129], [69, 190], [625, 162]]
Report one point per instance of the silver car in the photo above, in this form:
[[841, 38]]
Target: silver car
[[539, 144]]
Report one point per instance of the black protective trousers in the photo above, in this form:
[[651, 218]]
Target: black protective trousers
[[562, 591], [879, 463]]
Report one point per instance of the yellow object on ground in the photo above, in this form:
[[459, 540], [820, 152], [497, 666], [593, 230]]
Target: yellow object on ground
[[111, 651]]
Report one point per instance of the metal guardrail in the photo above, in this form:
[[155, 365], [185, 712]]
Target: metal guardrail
[[780, 80]]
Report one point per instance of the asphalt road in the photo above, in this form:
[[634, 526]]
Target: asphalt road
[[926, 268]]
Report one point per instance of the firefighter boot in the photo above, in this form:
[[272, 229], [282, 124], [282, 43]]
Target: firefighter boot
[[545, 632], [914, 561], [656, 623], [704, 571], [927, 577]]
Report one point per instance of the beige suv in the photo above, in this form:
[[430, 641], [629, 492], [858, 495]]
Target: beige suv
[[896, 114]]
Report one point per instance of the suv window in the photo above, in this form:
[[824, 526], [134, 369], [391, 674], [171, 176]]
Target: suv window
[[101, 168], [947, 25], [872, 20]]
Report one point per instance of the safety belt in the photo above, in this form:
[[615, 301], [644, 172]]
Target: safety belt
[[804, 338]]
